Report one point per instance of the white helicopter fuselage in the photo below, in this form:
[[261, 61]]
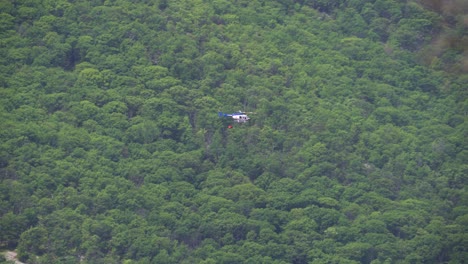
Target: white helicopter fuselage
[[240, 118]]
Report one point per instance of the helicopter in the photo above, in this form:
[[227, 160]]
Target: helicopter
[[238, 117]]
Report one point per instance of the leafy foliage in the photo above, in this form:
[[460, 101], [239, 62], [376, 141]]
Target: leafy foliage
[[112, 151]]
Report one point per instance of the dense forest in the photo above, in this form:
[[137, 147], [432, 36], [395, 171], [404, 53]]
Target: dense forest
[[112, 150]]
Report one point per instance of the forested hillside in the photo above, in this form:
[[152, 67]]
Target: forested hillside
[[112, 151]]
